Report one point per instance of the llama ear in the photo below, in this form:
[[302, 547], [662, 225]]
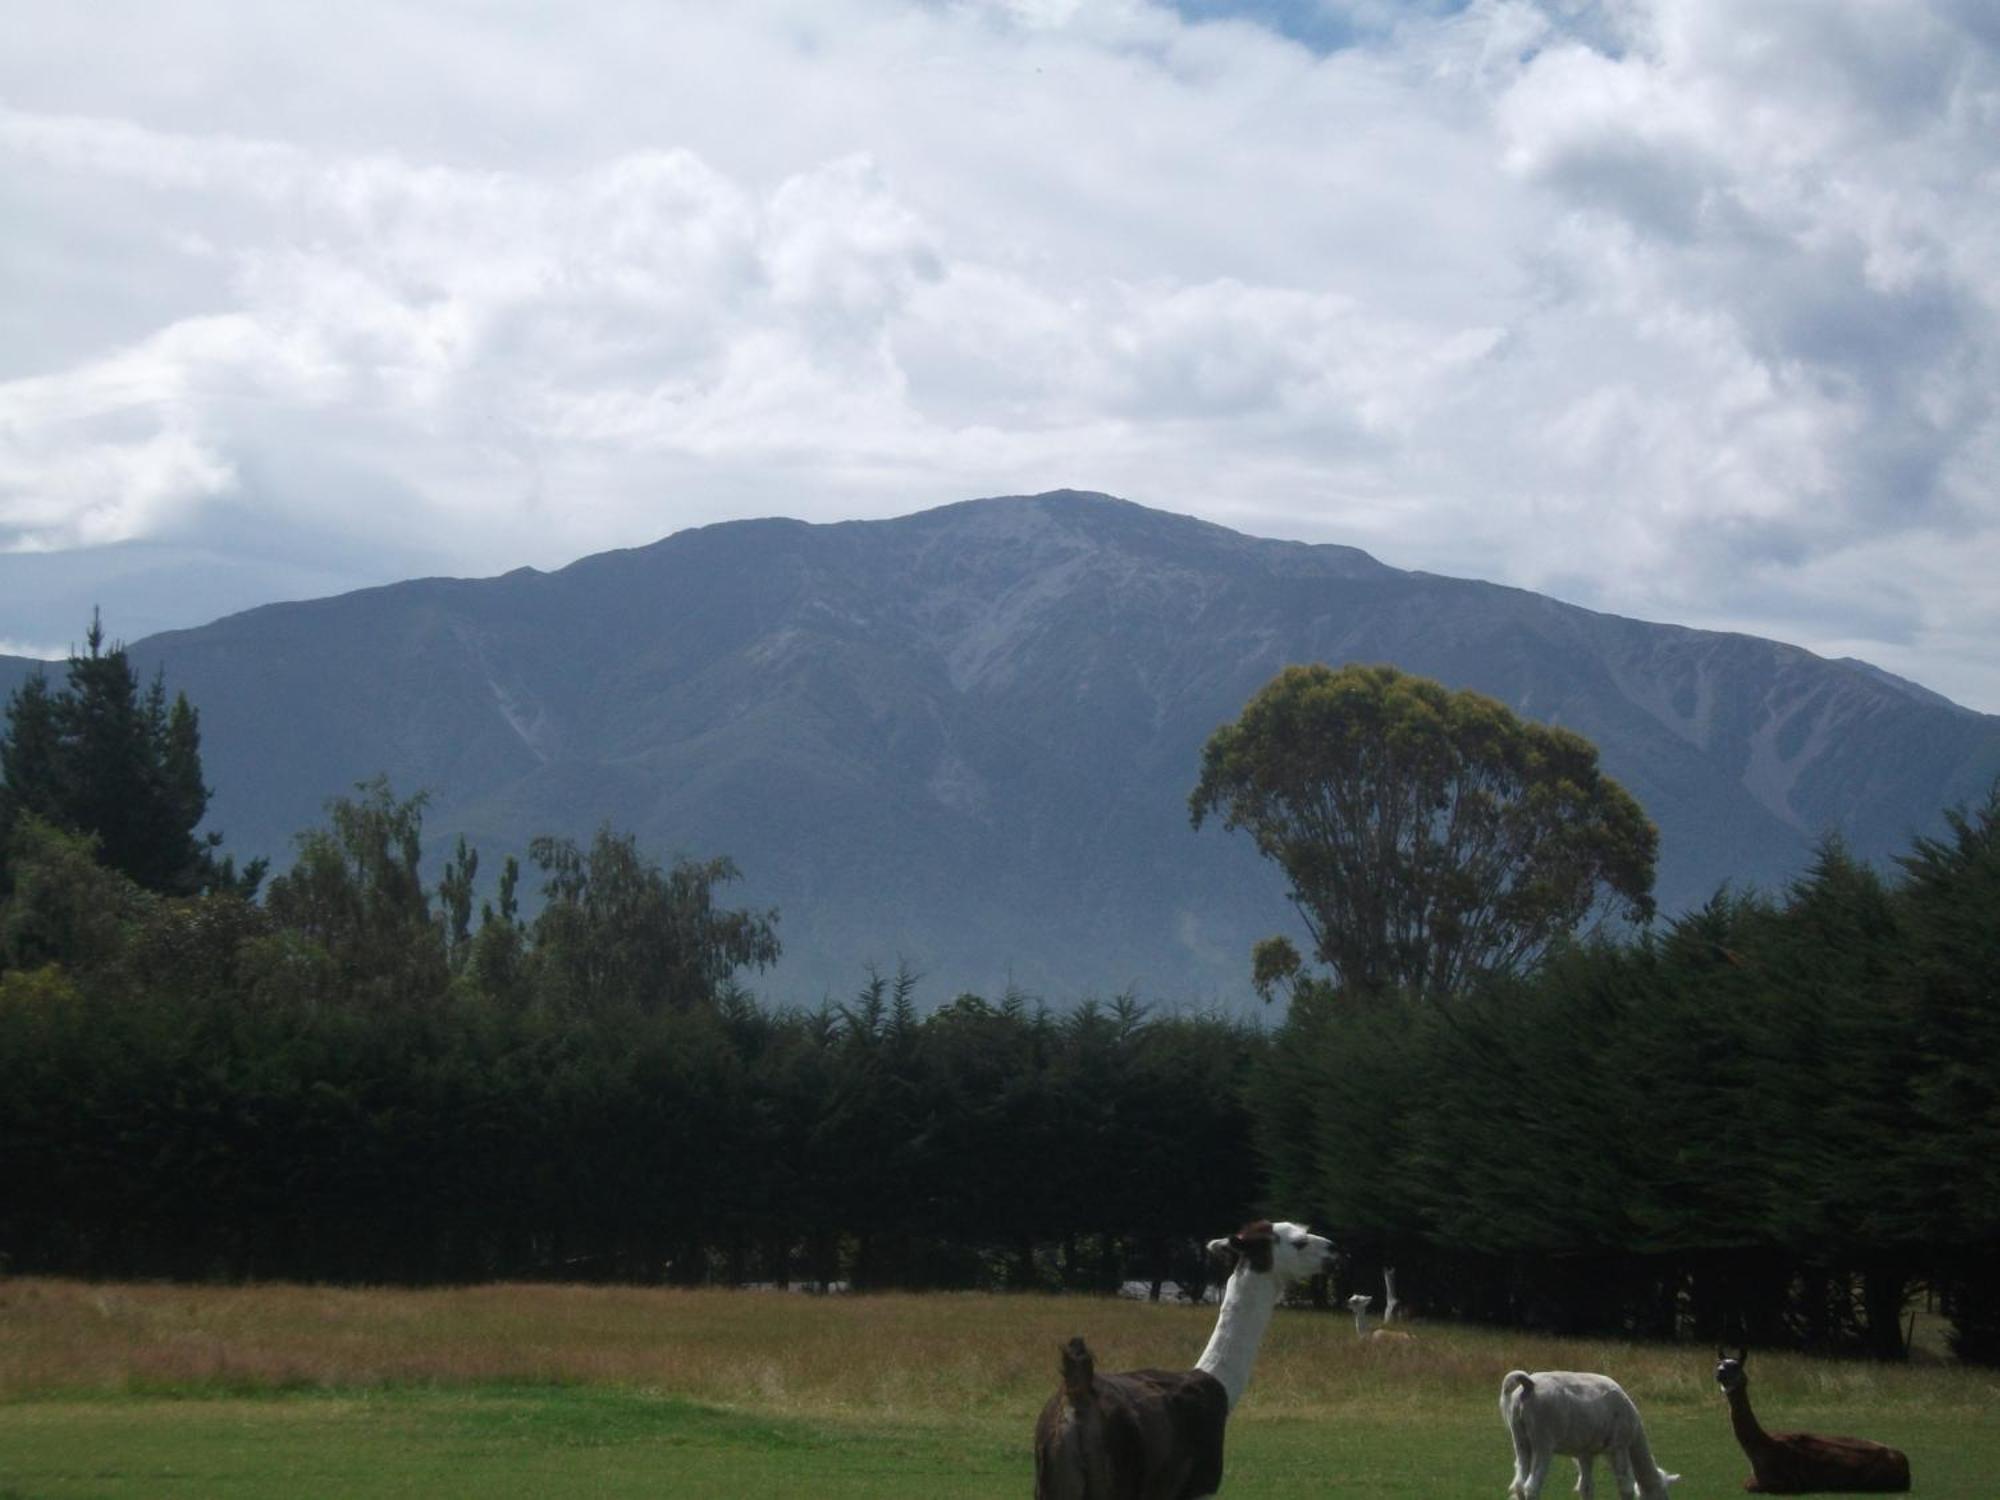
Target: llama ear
[[1254, 1242]]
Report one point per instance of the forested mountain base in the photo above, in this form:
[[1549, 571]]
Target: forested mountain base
[[1774, 1121]]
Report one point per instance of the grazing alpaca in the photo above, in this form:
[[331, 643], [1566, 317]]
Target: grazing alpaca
[[1804, 1463], [1565, 1411], [1157, 1434]]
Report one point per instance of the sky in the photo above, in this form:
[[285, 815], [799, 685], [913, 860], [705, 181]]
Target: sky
[[1687, 310]]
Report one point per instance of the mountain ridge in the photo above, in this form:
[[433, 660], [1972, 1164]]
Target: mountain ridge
[[964, 738]]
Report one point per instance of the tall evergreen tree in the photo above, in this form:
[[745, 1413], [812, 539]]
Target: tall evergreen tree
[[103, 758], [1950, 901]]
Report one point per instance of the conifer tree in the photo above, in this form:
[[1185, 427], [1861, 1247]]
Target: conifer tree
[[1950, 898], [103, 759]]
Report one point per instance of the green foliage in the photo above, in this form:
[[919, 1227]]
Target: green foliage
[[354, 894], [103, 759], [66, 907], [1771, 1121], [1430, 837], [352, 1080], [1768, 1120], [1274, 961], [617, 931], [1951, 910]]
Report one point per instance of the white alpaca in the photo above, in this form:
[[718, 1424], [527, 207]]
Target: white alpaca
[[1159, 1432], [1389, 1303], [1581, 1415]]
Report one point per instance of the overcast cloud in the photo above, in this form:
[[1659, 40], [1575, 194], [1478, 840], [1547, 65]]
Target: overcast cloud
[[1683, 309]]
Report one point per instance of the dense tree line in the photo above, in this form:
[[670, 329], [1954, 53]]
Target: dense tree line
[[353, 1080], [1774, 1119]]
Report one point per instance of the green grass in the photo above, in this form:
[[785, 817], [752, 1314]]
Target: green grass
[[149, 1391]]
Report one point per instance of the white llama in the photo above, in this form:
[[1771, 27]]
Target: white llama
[[1582, 1415], [1159, 1432]]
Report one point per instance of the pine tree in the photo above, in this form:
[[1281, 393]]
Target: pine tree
[[102, 759], [1950, 899]]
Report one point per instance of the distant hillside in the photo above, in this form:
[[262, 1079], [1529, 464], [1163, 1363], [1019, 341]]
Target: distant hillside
[[14, 671], [965, 738]]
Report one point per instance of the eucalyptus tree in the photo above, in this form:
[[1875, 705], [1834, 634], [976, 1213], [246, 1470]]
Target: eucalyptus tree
[[1429, 836]]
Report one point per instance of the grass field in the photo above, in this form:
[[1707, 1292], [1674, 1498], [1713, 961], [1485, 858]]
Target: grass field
[[164, 1391]]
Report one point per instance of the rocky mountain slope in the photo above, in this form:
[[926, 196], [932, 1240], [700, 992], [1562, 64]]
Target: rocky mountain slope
[[964, 739]]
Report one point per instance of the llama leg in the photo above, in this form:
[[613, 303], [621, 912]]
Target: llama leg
[[1621, 1470], [1586, 1478], [1538, 1474], [1523, 1463]]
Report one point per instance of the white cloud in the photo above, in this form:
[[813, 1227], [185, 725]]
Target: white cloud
[[1669, 307]]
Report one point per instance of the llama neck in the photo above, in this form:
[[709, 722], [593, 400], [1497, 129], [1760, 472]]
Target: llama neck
[[1247, 1303], [1743, 1420], [1360, 1322]]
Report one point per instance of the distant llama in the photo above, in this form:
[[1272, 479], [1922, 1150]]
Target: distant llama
[[1157, 1434], [1805, 1463], [1582, 1416], [1359, 1304]]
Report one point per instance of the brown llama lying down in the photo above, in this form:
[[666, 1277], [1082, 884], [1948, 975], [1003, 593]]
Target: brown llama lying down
[[1157, 1434], [1805, 1463]]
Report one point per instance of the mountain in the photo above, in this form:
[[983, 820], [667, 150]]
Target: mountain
[[964, 739], [14, 671]]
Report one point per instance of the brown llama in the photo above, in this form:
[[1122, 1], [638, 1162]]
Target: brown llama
[[1157, 1434], [1805, 1463]]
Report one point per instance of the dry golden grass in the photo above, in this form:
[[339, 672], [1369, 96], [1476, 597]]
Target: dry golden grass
[[940, 1356], [601, 1392]]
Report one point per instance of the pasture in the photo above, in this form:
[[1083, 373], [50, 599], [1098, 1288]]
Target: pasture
[[209, 1393]]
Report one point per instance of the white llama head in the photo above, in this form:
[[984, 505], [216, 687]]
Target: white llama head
[[1286, 1251]]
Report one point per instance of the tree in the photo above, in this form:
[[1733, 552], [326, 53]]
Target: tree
[[102, 759], [354, 895], [1949, 899], [618, 931], [1429, 836], [66, 907]]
